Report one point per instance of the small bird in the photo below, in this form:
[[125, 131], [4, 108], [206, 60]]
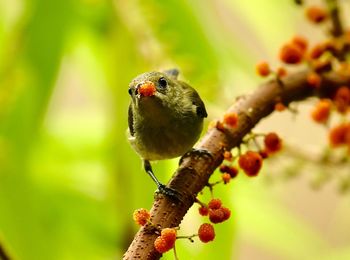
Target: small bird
[[165, 119]]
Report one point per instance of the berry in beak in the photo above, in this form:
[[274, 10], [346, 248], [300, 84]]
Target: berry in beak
[[147, 89]]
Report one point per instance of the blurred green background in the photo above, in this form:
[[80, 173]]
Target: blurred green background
[[69, 180]]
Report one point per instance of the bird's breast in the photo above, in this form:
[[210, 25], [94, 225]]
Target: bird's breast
[[163, 134]]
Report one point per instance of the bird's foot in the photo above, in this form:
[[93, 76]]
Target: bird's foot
[[197, 153], [169, 192]]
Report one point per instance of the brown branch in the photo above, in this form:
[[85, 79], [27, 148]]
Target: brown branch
[[193, 174]]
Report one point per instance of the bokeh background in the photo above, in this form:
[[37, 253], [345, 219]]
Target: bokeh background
[[69, 180]]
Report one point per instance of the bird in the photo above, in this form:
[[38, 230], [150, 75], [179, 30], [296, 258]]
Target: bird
[[165, 119]]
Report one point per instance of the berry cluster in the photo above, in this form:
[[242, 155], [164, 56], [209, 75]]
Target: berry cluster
[[324, 56], [339, 135], [166, 240], [251, 161], [216, 212]]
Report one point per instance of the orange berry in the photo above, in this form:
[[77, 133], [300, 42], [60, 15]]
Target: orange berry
[[206, 232], [141, 216], [161, 245], [147, 89], [281, 72], [263, 69], [291, 54], [316, 14], [340, 135], [228, 156], [321, 112], [301, 42], [279, 106], [203, 211], [216, 215], [226, 177], [214, 204], [231, 119], [272, 143], [250, 162], [169, 234], [342, 99], [313, 80]]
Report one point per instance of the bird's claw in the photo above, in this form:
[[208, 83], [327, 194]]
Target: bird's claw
[[169, 192], [196, 152]]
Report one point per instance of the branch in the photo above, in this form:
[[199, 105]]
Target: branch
[[193, 174]]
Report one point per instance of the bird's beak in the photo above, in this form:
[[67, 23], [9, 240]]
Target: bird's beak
[[146, 89]]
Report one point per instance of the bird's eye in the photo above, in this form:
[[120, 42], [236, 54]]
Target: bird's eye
[[130, 91], [162, 82]]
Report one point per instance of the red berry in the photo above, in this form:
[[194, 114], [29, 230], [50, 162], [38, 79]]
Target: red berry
[[342, 99], [340, 135], [314, 80], [281, 72], [228, 156], [206, 233], [263, 154], [216, 215], [231, 119], [321, 112], [290, 53], [233, 171], [263, 69], [279, 106], [214, 204], [227, 213], [203, 211], [147, 89], [169, 234], [161, 245], [272, 143], [316, 14], [226, 177], [301, 42], [141, 216], [251, 163], [224, 168]]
